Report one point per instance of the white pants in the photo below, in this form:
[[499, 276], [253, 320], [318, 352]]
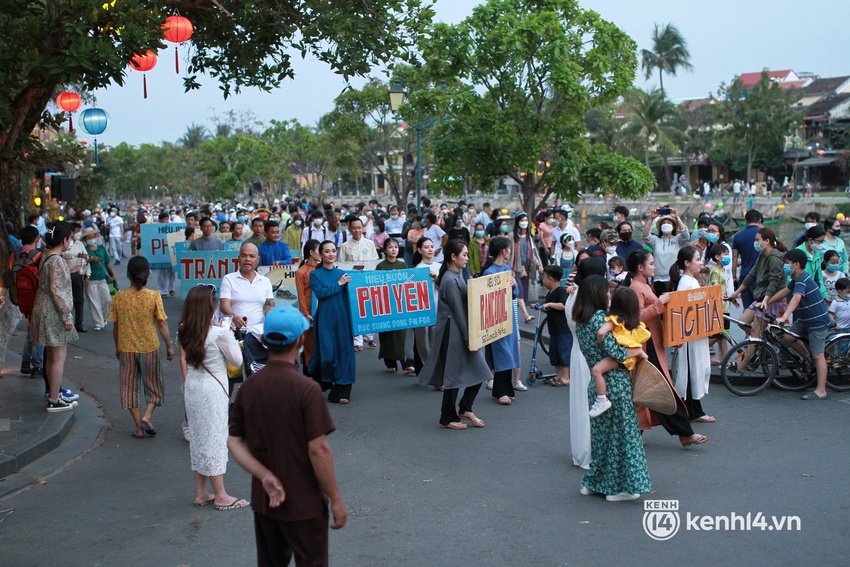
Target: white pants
[[165, 281], [115, 248], [358, 339], [99, 301]]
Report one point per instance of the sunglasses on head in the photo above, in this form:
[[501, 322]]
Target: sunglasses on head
[[209, 285]]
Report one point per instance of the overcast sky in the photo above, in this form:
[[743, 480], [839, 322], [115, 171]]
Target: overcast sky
[[725, 38]]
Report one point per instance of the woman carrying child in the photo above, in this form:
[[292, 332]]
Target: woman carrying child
[[624, 323]]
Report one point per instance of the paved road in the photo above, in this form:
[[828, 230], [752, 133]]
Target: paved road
[[506, 494]]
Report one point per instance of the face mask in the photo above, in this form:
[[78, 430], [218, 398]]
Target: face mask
[[817, 246], [423, 222], [91, 242], [758, 247], [479, 233], [832, 267], [836, 232], [394, 217], [317, 222], [726, 260], [611, 250], [613, 272], [112, 214], [523, 224], [458, 222], [702, 232], [809, 225], [243, 220], [666, 228], [787, 268], [375, 229], [711, 236], [626, 237], [504, 228], [614, 217], [298, 223], [552, 222]]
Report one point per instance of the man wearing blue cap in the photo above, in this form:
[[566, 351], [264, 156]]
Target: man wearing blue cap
[[278, 432]]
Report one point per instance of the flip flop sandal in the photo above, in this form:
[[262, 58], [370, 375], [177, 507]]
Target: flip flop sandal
[[235, 505], [204, 503], [372, 344], [705, 419], [691, 441], [358, 348], [473, 420], [453, 425], [812, 396], [149, 430]]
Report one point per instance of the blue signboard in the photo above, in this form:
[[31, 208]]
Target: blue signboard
[[391, 300], [154, 238], [208, 267]]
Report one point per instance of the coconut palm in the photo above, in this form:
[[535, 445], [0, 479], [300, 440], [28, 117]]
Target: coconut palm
[[669, 53], [195, 136], [653, 119]]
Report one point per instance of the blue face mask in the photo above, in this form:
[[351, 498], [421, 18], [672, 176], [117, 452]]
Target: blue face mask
[[758, 247], [375, 229], [479, 233], [726, 260], [832, 267], [505, 228], [787, 268], [711, 237], [423, 222]]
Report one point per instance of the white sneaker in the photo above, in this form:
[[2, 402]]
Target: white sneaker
[[622, 497], [598, 408], [186, 430], [585, 491], [490, 384], [520, 386]]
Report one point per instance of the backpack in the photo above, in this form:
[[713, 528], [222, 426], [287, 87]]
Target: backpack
[[25, 272]]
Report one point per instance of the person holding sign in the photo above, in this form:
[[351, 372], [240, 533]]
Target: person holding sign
[[392, 342], [332, 362], [311, 261], [693, 370], [358, 249], [423, 337], [503, 354], [451, 365]]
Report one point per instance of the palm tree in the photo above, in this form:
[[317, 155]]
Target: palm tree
[[653, 120], [669, 53], [193, 138]]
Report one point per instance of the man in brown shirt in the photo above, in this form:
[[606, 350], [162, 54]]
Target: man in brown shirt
[[278, 433]]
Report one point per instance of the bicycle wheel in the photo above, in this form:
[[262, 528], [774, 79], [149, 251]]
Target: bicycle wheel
[[756, 374], [792, 378], [544, 336], [837, 365]]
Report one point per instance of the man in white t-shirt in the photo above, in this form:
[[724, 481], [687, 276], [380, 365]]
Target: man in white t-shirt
[[436, 234], [565, 225], [247, 297], [116, 235]]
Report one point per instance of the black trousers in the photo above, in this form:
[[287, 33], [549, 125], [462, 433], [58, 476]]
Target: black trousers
[[694, 406], [660, 287], [678, 423], [450, 409], [503, 384], [278, 541], [78, 288]]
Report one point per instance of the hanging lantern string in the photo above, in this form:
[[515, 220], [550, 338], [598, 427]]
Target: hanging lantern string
[[144, 86]]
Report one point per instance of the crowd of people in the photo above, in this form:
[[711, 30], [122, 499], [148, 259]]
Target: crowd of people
[[605, 296]]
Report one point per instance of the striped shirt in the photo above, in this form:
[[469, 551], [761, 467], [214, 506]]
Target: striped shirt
[[811, 312]]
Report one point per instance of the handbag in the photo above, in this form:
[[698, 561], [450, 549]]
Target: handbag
[[652, 390]]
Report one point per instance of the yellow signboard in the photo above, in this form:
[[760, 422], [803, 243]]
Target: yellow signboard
[[490, 309]]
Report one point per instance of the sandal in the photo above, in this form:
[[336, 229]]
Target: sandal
[[453, 425], [529, 318], [471, 418], [372, 344], [705, 419], [558, 383], [358, 348], [235, 505], [391, 370], [409, 370], [505, 400], [694, 439]]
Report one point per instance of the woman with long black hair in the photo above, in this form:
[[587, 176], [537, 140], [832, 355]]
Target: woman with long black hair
[[451, 365], [309, 262]]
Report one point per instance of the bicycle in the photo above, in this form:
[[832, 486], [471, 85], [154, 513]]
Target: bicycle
[[755, 363]]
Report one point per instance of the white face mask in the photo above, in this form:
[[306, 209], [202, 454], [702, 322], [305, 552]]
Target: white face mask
[[817, 246], [298, 223], [112, 214], [611, 250], [666, 228], [809, 225], [572, 245], [394, 217], [523, 224], [317, 222]]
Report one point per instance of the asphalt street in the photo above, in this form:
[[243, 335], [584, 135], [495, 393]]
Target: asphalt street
[[506, 494]]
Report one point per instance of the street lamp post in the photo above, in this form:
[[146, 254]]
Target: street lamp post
[[397, 96]]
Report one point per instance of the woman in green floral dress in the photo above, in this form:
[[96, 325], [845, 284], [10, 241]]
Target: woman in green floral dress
[[617, 461]]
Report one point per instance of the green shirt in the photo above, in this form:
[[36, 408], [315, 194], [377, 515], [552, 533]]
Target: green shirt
[[98, 269]]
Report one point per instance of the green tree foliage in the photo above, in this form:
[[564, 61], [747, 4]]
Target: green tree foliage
[[754, 123], [195, 135], [669, 54], [530, 71]]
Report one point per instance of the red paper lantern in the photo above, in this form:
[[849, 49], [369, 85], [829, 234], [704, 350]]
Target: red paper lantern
[[177, 29], [69, 102], [144, 63]]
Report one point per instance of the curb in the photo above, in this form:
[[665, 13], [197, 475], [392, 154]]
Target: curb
[[48, 437]]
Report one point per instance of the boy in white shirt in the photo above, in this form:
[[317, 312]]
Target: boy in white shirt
[[839, 310]]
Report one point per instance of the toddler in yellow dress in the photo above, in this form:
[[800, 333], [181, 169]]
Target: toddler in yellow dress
[[624, 323]]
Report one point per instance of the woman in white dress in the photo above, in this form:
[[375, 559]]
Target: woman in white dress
[[424, 257], [579, 371], [203, 350], [693, 368]]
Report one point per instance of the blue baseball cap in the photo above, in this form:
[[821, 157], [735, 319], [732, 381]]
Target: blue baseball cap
[[283, 326]]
